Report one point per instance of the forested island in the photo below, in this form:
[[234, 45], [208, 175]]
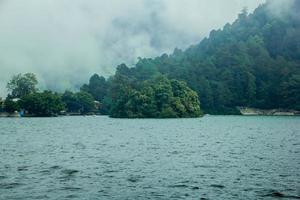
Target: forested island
[[253, 62]]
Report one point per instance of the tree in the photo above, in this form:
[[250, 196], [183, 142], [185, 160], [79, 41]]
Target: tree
[[97, 87], [291, 92], [86, 102], [45, 104], [10, 105], [1, 105], [80, 102], [71, 102], [120, 90], [158, 97], [190, 104], [22, 85]]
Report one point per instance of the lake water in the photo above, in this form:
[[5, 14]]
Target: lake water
[[214, 157]]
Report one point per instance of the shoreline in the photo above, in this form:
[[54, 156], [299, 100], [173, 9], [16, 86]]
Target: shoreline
[[247, 111], [244, 113]]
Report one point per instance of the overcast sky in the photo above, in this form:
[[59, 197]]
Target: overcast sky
[[65, 41]]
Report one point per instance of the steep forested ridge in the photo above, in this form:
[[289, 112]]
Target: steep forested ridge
[[253, 62]]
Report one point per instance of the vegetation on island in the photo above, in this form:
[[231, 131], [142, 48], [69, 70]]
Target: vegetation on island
[[158, 97], [253, 62]]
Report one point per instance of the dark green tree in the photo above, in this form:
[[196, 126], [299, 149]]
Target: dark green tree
[[10, 105], [71, 102], [44, 104], [86, 102], [97, 87], [157, 97], [291, 92], [21, 85], [80, 102]]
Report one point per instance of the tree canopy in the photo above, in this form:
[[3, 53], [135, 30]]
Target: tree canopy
[[10, 106], [44, 104], [97, 87], [21, 85], [158, 97], [253, 62]]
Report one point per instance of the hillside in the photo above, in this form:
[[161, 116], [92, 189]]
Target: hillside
[[253, 62]]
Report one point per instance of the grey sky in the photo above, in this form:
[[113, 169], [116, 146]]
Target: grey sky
[[65, 41]]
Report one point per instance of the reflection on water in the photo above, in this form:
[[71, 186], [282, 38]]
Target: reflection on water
[[215, 157]]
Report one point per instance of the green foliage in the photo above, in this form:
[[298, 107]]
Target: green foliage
[[10, 106], [252, 62], [80, 102], [157, 97], [71, 102], [97, 87], [291, 92], [45, 104], [86, 102], [1, 105], [22, 85]]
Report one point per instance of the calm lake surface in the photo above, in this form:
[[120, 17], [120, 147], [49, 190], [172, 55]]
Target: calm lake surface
[[214, 157]]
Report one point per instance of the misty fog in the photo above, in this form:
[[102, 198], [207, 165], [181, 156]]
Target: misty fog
[[65, 41]]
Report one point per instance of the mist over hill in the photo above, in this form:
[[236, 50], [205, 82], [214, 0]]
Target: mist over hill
[[65, 41], [252, 62]]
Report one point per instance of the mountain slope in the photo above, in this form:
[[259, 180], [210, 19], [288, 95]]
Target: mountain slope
[[253, 62]]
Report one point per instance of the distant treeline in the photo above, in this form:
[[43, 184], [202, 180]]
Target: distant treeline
[[119, 97], [253, 62], [24, 97]]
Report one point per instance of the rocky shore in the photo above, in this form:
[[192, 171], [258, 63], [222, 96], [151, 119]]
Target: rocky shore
[[243, 110], [271, 112]]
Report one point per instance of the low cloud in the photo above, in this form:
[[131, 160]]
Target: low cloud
[[280, 7], [65, 41]]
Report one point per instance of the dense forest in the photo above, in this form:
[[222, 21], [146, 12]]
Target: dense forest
[[25, 98], [253, 62], [159, 97]]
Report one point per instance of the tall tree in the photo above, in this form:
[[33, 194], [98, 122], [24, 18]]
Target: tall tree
[[43, 104], [97, 87], [21, 85]]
